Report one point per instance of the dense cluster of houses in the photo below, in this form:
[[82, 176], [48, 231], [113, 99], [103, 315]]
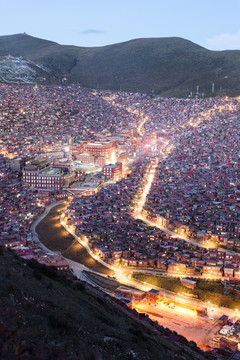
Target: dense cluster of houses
[[37, 124], [196, 188], [119, 239], [19, 207], [38, 119]]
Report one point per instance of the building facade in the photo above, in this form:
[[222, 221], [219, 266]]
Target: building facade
[[112, 171], [39, 175]]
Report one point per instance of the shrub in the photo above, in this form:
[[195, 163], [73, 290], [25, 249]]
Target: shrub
[[37, 274], [78, 286]]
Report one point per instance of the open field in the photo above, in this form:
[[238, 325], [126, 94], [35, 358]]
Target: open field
[[53, 235], [184, 321], [206, 290]]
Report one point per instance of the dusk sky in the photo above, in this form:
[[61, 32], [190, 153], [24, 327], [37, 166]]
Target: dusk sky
[[213, 24]]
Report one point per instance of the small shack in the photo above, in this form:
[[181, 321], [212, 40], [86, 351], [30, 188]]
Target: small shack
[[152, 296], [202, 311], [223, 320], [191, 284], [226, 343]]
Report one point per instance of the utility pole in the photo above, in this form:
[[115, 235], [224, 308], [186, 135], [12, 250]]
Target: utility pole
[[213, 88]]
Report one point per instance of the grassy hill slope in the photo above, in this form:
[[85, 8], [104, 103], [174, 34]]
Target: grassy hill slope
[[45, 316], [165, 66]]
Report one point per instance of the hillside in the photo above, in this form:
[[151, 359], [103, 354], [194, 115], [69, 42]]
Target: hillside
[[43, 315], [165, 66], [18, 70]]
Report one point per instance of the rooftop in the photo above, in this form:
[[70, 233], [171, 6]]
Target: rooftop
[[154, 291], [53, 171]]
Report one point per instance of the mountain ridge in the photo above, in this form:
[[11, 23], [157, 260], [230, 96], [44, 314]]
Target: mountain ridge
[[169, 66]]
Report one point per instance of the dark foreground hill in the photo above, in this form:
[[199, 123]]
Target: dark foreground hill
[[45, 316], [165, 66]]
